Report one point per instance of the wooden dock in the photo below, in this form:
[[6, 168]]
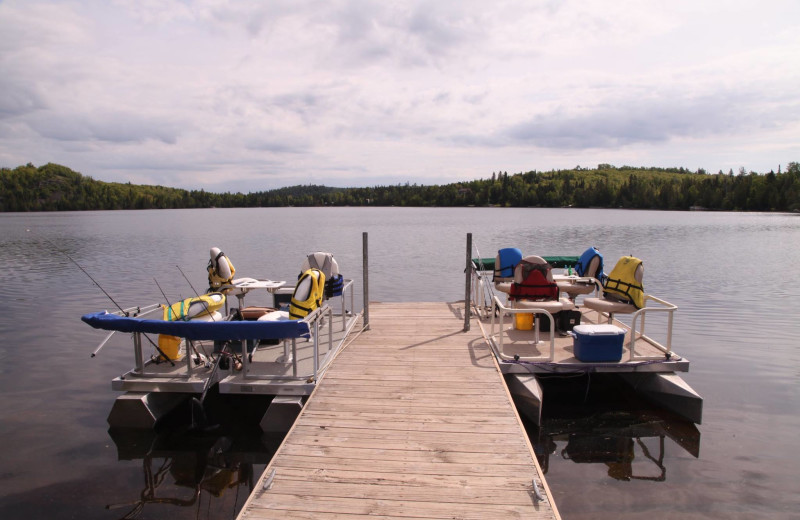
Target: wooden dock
[[412, 420]]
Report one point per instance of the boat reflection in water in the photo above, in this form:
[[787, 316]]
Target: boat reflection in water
[[192, 472], [609, 426]]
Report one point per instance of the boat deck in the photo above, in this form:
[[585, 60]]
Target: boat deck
[[521, 343], [271, 370], [412, 419]]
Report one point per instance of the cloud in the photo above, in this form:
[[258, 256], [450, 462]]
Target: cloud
[[262, 94], [653, 119], [112, 127]]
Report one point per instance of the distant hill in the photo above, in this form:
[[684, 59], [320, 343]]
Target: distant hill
[[53, 187]]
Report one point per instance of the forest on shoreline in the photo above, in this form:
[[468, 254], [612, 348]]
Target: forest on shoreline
[[54, 187]]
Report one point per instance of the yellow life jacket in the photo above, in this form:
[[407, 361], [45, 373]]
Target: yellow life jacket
[[193, 307], [308, 294], [184, 310], [622, 283], [220, 269]]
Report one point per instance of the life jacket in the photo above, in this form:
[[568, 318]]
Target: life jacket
[[505, 262], [307, 294], [533, 281], [334, 286], [202, 306], [190, 308], [590, 263], [220, 269], [623, 284], [325, 262]]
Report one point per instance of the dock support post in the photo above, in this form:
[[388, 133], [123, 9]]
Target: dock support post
[[468, 289], [365, 270]]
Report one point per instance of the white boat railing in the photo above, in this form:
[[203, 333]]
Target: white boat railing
[[482, 291], [497, 331], [191, 367], [347, 288], [141, 363], [320, 317], [665, 307]]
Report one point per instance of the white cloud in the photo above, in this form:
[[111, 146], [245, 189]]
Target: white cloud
[[252, 95]]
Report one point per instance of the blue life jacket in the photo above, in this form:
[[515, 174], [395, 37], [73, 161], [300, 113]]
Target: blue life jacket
[[582, 267], [507, 259]]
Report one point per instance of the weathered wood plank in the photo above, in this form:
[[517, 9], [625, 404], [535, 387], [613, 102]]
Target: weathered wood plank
[[411, 421]]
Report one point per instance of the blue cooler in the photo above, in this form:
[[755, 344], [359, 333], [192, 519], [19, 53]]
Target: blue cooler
[[598, 342]]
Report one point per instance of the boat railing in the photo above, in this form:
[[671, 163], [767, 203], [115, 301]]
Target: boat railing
[[141, 363], [482, 290], [347, 294], [664, 307], [323, 315], [319, 318], [497, 331], [347, 290]]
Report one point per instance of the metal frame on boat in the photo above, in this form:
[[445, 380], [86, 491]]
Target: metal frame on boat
[[649, 366], [278, 358]]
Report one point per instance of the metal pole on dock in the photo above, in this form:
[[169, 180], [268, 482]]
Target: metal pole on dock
[[365, 254], [468, 289]]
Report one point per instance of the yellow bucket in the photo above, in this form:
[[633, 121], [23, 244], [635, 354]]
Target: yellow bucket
[[523, 321]]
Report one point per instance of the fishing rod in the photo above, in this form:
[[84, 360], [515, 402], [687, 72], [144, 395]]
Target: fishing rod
[[196, 293], [79, 266], [187, 281], [198, 359], [197, 404], [123, 311]]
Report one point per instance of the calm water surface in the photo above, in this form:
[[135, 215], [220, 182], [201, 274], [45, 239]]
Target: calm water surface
[[733, 276]]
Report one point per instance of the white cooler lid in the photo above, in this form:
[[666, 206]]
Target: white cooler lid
[[598, 330]]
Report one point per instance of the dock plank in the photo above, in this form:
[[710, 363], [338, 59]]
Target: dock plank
[[412, 420]]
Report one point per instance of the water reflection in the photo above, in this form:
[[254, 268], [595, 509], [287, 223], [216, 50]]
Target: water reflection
[[598, 421], [195, 473]]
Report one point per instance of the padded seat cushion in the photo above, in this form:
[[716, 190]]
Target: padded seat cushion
[[603, 305], [562, 304], [503, 287]]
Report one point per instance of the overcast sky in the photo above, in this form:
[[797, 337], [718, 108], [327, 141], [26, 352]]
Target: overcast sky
[[254, 95]]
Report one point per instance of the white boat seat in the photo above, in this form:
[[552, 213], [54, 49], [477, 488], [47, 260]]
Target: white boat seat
[[551, 306], [610, 304], [524, 268], [505, 264], [594, 269], [503, 287]]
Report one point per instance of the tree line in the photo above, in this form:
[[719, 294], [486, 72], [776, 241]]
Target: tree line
[[53, 187]]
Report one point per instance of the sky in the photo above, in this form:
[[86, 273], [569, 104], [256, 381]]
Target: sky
[[246, 96]]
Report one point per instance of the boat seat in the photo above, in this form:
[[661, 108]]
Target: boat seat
[[525, 280], [589, 265], [612, 303], [326, 263], [505, 263]]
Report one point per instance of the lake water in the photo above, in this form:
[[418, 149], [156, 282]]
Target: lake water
[[733, 276]]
